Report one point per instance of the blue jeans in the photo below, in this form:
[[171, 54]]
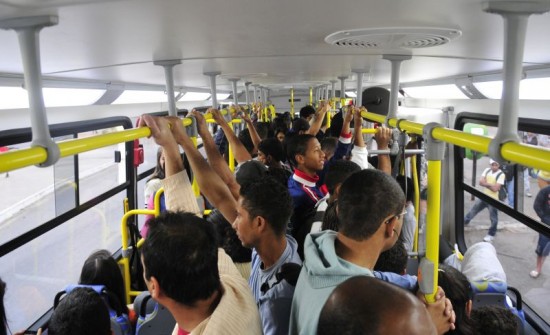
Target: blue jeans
[[479, 205]]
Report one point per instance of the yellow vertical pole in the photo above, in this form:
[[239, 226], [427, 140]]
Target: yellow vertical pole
[[194, 184], [292, 103], [231, 158], [125, 261], [311, 96], [272, 109], [416, 201], [432, 224]]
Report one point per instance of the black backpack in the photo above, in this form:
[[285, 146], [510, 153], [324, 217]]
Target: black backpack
[[503, 191]]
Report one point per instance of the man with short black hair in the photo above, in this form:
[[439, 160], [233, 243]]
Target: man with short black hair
[[82, 312], [307, 112], [263, 210], [365, 305], [370, 213], [183, 269]]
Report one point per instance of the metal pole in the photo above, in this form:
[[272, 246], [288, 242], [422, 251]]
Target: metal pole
[[342, 90], [169, 76], [515, 15], [395, 68], [359, 97], [247, 92], [212, 76], [333, 93], [28, 30], [234, 84]]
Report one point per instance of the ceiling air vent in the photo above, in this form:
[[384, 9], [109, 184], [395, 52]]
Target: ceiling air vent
[[391, 38]]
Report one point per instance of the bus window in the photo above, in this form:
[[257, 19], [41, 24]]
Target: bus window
[[38, 270]]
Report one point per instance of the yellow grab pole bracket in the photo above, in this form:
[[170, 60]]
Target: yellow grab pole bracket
[[125, 260], [435, 151]]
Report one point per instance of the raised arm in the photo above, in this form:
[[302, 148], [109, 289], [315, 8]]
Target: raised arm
[[358, 141], [318, 118], [211, 185], [382, 137], [251, 129], [214, 157], [239, 151], [178, 192], [161, 133]]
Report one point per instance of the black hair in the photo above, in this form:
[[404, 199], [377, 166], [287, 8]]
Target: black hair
[[269, 199], [159, 171], [272, 147], [394, 259], [338, 171], [263, 129], [300, 125], [82, 312], [493, 319], [4, 327], [406, 184], [228, 239], [306, 111], [367, 198], [329, 144], [361, 305], [297, 145], [458, 289], [330, 219], [280, 174], [246, 140], [181, 252], [336, 124], [100, 268]]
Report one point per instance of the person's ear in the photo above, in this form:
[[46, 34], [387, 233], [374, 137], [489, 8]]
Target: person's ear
[[336, 190], [154, 288], [260, 223], [299, 159], [469, 307], [389, 225]]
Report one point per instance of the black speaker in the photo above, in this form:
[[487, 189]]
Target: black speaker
[[376, 100]]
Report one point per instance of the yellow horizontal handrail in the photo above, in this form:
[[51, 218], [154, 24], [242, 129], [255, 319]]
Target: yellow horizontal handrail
[[17, 159], [369, 130], [536, 157]]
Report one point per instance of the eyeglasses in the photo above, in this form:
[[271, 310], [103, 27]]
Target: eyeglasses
[[398, 216]]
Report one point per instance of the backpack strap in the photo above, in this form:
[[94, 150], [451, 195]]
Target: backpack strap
[[288, 271]]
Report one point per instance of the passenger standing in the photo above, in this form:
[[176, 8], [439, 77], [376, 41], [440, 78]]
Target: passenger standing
[[184, 271], [409, 221], [363, 305], [305, 154], [542, 208], [153, 184], [529, 138], [263, 211], [370, 212], [492, 179]]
